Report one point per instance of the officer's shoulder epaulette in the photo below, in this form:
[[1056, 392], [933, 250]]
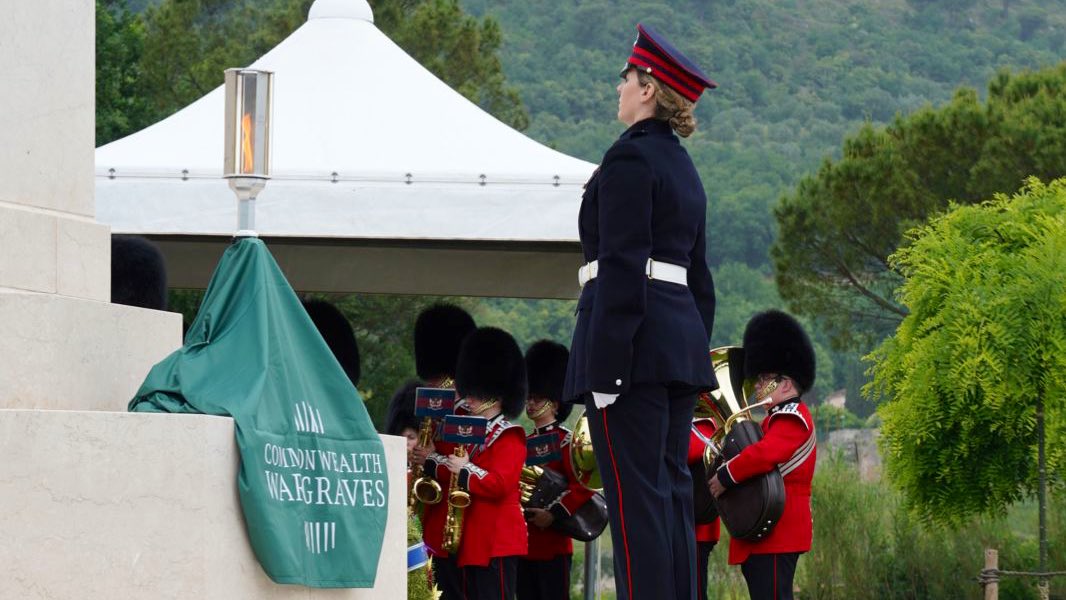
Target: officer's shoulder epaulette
[[790, 408], [502, 426]]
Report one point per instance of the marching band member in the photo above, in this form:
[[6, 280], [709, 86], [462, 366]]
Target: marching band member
[[777, 351], [491, 381], [439, 333], [644, 319], [401, 419], [544, 573], [337, 332], [707, 534]]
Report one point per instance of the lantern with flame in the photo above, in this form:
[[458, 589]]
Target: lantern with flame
[[249, 103]]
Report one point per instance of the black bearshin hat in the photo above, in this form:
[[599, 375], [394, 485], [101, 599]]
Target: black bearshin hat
[[774, 342], [337, 331], [401, 413], [491, 367], [439, 331], [546, 367], [138, 273]]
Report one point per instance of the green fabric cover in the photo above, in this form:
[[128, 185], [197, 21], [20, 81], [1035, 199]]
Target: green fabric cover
[[313, 482]]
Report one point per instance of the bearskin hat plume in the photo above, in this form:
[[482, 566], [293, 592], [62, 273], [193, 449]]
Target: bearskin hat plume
[[775, 342], [138, 273], [491, 366], [546, 368], [439, 331], [401, 413], [337, 331]]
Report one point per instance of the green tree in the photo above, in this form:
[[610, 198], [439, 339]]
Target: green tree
[[384, 329], [460, 49], [529, 320], [838, 228], [980, 358], [189, 43], [119, 40]]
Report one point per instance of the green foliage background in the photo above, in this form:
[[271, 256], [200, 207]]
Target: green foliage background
[[841, 224], [795, 78], [983, 346], [868, 546]]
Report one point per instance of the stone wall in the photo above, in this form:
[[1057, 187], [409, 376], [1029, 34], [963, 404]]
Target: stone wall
[[858, 446]]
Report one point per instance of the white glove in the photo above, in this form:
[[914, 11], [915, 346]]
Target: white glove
[[603, 400]]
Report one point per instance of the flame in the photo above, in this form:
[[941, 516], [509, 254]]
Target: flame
[[247, 154]]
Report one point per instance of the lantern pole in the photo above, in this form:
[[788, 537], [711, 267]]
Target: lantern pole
[[246, 162]]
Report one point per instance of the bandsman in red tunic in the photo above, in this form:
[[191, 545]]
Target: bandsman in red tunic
[[439, 332], [707, 534], [491, 381], [544, 573], [777, 350]]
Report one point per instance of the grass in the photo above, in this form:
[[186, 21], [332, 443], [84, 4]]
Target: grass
[[867, 547]]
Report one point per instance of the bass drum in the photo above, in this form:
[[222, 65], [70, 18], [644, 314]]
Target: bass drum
[[751, 509]]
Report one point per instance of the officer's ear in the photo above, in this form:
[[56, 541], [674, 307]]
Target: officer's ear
[[647, 92]]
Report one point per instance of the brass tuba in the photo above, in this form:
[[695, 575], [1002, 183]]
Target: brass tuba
[[751, 509], [582, 458], [730, 400]]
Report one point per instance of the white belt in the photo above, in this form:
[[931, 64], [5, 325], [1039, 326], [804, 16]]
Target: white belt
[[655, 269]]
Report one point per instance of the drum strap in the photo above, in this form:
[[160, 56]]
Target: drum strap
[[801, 454]]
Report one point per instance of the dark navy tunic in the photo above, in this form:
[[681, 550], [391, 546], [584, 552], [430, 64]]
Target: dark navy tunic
[[645, 201]]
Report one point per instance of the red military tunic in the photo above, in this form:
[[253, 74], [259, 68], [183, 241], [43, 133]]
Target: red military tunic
[[493, 524], [788, 443], [546, 544], [702, 430]]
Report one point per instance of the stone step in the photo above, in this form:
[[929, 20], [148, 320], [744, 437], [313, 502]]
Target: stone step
[[106, 505], [64, 353]]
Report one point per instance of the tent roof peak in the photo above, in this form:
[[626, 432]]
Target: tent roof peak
[[341, 9]]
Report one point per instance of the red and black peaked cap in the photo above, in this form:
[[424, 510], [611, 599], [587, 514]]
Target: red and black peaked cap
[[657, 57]]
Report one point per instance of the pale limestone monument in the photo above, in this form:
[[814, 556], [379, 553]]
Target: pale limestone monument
[[95, 502]]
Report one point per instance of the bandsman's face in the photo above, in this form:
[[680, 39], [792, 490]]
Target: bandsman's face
[[535, 407], [472, 404], [412, 438], [784, 389]]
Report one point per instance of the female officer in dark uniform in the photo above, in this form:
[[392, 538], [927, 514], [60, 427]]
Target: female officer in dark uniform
[[640, 350]]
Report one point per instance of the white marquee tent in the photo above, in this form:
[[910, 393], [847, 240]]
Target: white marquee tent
[[385, 180]]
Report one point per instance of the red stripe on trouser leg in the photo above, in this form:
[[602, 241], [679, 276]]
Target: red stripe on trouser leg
[[775, 577], [499, 563], [621, 511]]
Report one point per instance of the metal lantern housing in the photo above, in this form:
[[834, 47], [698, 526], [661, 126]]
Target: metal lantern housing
[[249, 105]]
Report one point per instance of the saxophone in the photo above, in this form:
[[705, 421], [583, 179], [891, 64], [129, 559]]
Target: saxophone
[[458, 500], [424, 489]]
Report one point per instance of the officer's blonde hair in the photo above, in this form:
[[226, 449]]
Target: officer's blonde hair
[[671, 106]]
